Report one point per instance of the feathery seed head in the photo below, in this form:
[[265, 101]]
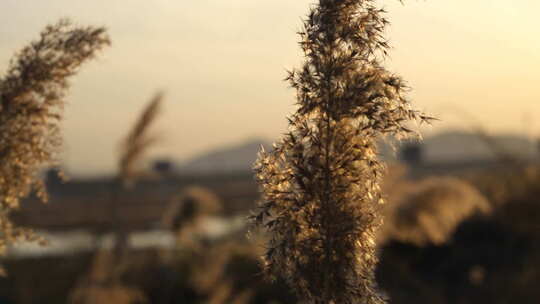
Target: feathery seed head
[[320, 183], [138, 141], [31, 104]]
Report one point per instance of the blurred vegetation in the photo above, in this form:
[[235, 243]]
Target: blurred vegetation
[[489, 258], [488, 254]]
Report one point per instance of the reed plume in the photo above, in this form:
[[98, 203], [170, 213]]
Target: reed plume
[[138, 141], [133, 149], [103, 282], [320, 183], [188, 208], [32, 98], [428, 212]]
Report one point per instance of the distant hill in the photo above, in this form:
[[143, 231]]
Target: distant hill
[[450, 146], [235, 158], [458, 145]]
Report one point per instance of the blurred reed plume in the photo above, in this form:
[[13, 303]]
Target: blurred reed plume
[[138, 141], [32, 98], [225, 275], [133, 150], [187, 212], [193, 203], [428, 212], [320, 183], [102, 283]]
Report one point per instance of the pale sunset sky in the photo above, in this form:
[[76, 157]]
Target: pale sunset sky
[[221, 64]]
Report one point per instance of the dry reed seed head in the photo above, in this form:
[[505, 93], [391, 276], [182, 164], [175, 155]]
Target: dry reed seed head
[[192, 204], [429, 212], [31, 105], [320, 183], [138, 141]]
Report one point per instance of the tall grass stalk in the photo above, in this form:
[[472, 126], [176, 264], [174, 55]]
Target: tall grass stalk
[[133, 150], [320, 183], [138, 141]]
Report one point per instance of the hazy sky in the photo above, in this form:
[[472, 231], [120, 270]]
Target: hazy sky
[[221, 64]]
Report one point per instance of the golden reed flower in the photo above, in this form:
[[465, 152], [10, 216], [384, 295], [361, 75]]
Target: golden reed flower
[[31, 102], [320, 183]]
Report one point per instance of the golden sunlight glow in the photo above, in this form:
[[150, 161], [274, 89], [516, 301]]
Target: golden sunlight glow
[[221, 64]]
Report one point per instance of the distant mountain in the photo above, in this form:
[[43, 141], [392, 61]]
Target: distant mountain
[[235, 158], [459, 145], [450, 146]]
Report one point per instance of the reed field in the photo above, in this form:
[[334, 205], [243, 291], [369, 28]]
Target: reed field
[[346, 206]]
